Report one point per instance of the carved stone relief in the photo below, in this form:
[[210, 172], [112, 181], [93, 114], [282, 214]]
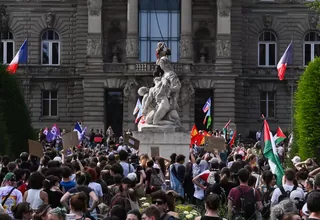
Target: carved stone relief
[[313, 21], [4, 18], [50, 18], [94, 7], [185, 47], [130, 88], [267, 20], [186, 91], [132, 47], [224, 7], [223, 48], [94, 47]]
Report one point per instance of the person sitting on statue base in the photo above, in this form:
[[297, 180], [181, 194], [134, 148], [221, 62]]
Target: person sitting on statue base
[[161, 51]]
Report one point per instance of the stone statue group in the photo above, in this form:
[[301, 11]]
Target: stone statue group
[[160, 102]]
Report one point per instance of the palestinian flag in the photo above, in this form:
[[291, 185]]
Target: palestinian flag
[[207, 176], [232, 142], [225, 129], [270, 152], [279, 136]]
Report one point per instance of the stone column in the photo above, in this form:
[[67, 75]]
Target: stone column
[[223, 43], [132, 43], [94, 29], [186, 32], [93, 113]]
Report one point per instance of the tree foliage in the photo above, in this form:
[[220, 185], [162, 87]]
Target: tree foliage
[[15, 122], [307, 114], [315, 5]]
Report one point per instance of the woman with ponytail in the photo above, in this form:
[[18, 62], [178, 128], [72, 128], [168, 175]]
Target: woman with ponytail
[[51, 187]]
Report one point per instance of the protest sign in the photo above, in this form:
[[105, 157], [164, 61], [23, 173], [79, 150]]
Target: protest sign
[[70, 140], [131, 141], [35, 148], [214, 143]]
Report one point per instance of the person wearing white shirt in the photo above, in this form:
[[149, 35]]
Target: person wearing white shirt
[[8, 194], [288, 186]]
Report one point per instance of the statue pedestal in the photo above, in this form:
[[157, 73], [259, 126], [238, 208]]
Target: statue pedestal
[[168, 142]]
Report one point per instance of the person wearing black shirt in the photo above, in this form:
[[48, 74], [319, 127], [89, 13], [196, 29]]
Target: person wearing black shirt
[[313, 205]]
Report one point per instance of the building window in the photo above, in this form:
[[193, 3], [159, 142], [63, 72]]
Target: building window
[[154, 16], [311, 47], [6, 47], [200, 98], [267, 49], [267, 104], [50, 48], [49, 103]]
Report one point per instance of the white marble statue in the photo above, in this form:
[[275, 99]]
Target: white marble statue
[[159, 103]]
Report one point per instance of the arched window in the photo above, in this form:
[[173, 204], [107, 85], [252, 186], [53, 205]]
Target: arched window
[[267, 49], [311, 47], [6, 47], [50, 48], [159, 20]]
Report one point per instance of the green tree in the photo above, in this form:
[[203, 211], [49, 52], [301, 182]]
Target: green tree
[[314, 6], [307, 115], [15, 122]]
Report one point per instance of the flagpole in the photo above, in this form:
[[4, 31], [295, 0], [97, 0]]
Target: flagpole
[[26, 66], [292, 80]]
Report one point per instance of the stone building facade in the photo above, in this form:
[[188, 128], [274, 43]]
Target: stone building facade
[[86, 58]]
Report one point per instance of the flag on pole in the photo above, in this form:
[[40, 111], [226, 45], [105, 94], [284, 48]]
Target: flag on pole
[[53, 133], [45, 131], [137, 107], [78, 129], [270, 152], [279, 136], [225, 129], [232, 141], [284, 61], [19, 58], [207, 106]]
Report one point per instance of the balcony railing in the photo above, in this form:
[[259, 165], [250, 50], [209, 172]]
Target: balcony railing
[[39, 70]]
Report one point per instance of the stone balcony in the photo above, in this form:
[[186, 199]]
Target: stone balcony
[[148, 68], [272, 72], [46, 71]]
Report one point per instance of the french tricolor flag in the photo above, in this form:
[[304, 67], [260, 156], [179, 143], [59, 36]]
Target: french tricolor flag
[[20, 58], [284, 61]]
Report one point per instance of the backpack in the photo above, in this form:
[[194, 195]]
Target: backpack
[[285, 194], [155, 180], [266, 202], [247, 205]]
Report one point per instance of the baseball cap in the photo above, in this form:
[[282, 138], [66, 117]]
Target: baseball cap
[[296, 160], [296, 195], [132, 177], [10, 177], [57, 159]]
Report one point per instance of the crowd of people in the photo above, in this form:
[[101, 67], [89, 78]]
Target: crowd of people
[[108, 181]]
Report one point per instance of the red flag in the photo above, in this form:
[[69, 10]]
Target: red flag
[[193, 134], [233, 138]]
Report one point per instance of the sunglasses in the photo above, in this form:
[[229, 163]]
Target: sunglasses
[[157, 202]]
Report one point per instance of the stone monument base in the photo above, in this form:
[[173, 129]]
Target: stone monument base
[[168, 142]]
